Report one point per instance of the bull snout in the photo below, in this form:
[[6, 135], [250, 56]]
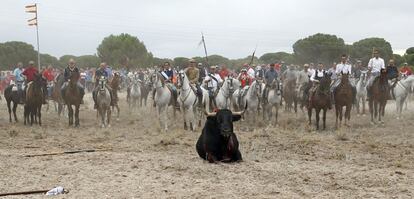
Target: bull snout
[[226, 131]]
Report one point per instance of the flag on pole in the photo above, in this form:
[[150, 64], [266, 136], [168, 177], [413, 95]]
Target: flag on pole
[[31, 8], [32, 22]]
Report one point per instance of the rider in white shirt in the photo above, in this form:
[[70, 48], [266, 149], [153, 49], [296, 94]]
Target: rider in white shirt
[[212, 80], [342, 68], [375, 65]]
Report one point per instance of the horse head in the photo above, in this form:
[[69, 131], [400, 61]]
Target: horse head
[[181, 78], [325, 84], [344, 78], [363, 78], [102, 82]]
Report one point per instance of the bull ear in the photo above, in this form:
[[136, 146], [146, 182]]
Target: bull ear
[[236, 118]]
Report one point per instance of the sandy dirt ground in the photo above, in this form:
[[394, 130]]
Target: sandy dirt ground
[[287, 161]]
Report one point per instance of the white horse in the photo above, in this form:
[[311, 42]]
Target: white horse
[[401, 91], [252, 97], [361, 89], [135, 92], [162, 98], [187, 99], [103, 100], [223, 98], [273, 101]]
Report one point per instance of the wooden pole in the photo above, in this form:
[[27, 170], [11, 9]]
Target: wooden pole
[[67, 152], [23, 193]]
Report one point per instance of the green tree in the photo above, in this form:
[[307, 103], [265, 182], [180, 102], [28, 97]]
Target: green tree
[[88, 61], [160, 61], [115, 49], [47, 59], [410, 50], [363, 49], [182, 62], [398, 59], [269, 58], [64, 60], [319, 48], [13, 52]]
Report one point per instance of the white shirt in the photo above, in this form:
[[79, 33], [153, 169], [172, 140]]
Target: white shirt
[[321, 73], [213, 83], [344, 68], [376, 64], [311, 71], [251, 72]]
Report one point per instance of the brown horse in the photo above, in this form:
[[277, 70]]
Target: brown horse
[[72, 96], [320, 100], [57, 94], [379, 92], [115, 85], [34, 101], [289, 95], [343, 96]]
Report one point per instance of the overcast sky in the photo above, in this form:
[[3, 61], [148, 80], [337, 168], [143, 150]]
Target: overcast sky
[[232, 28]]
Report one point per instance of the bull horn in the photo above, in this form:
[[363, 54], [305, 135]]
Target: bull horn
[[241, 112], [208, 113]]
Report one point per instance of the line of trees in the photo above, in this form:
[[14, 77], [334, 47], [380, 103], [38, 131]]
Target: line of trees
[[128, 51]]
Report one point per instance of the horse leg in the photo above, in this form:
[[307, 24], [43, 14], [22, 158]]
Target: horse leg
[[9, 109], [39, 108], [70, 114], [77, 115], [184, 117], [357, 105], [310, 115], [276, 113], [340, 116], [109, 115], [32, 116], [363, 105], [324, 118], [336, 116], [317, 111], [348, 114]]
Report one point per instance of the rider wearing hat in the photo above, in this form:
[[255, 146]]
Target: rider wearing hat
[[101, 74], [193, 75], [213, 80], [67, 75]]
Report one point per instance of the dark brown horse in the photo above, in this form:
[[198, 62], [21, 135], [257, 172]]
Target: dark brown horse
[[11, 95], [343, 96], [34, 101], [320, 100], [379, 94], [289, 95], [115, 85], [72, 96]]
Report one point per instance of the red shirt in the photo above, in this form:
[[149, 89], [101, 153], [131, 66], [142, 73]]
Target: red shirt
[[406, 69], [48, 74], [30, 72], [277, 67], [245, 80], [224, 73]]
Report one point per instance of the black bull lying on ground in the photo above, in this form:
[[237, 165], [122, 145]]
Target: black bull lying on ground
[[217, 141]]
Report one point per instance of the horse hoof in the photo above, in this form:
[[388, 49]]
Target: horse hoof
[[398, 118], [109, 126], [117, 119], [102, 126]]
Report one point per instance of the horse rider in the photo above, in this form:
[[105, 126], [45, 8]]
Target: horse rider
[[19, 80], [30, 72], [49, 77], [203, 72], [332, 71], [357, 70], [375, 65], [67, 74], [260, 72], [269, 76], [101, 73], [406, 70], [315, 78], [392, 74], [193, 75], [245, 81], [168, 74], [250, 71], [213, 81], [342, 68]]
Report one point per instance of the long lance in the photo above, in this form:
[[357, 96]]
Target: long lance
[[251, 61], [204, 44]]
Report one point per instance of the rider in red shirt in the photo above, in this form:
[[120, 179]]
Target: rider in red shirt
[[30, 72], [224, 72], [244, 78], [48, 74], [406, 70]]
